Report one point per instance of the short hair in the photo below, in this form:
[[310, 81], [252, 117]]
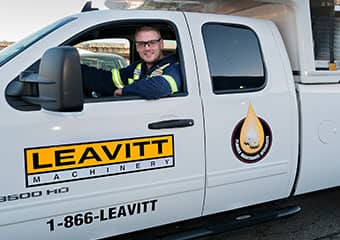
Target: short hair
[[148, 28]]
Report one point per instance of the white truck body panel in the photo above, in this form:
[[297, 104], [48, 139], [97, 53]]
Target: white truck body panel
[[101, 122], [319, 137], [230, 183]]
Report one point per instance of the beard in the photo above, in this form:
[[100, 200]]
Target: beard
[[151, 57]]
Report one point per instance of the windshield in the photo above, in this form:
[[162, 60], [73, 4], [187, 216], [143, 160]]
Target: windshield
[[9, 52]]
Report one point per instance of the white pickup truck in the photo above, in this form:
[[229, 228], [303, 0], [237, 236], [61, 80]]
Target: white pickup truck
[[257, 120]]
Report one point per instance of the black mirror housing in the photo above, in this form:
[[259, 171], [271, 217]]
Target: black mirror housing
[[59, 81]]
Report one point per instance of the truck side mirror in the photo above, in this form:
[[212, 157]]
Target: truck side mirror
[[57, 87], [61, 85]]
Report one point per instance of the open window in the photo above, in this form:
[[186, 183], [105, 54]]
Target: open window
[[111, 45]]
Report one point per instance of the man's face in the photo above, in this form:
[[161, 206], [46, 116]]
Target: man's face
[[149, 46]]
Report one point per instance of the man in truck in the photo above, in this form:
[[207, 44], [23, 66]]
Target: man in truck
[[152, 77]]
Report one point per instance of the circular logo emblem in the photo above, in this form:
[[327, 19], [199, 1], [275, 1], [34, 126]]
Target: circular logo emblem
[[251, 138]]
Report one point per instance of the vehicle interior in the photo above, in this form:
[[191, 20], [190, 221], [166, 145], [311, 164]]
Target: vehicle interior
[[118, 39], [125, 31]]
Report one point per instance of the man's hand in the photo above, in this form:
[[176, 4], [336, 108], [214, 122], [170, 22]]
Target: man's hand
[[118, 92]]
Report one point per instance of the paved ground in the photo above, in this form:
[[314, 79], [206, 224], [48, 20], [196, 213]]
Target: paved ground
[[319, 219]]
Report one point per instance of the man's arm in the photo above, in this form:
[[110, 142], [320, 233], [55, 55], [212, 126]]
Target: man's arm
[[102, 82], [157, 86]]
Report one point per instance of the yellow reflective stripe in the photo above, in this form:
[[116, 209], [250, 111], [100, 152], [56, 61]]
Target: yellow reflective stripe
[[137, 71], [172, 83], [159, 71], [117, 81], [164, 66], [130, 81]]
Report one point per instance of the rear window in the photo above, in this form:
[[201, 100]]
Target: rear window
[[234, 57]]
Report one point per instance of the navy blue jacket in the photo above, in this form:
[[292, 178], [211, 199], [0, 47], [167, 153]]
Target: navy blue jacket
[[150, 87]]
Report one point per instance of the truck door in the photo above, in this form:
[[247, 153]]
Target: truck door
[[104, 170], [250, 111]]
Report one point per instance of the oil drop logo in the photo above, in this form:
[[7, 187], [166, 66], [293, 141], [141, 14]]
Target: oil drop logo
[[252, 138]]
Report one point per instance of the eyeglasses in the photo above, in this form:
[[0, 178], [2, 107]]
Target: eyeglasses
[[150, 43]]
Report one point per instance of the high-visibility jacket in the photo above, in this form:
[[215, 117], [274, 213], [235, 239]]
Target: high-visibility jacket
[[163, 79], [160, 80]]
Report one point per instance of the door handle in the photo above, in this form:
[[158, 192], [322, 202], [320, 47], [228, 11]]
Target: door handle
[[176, 123]]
